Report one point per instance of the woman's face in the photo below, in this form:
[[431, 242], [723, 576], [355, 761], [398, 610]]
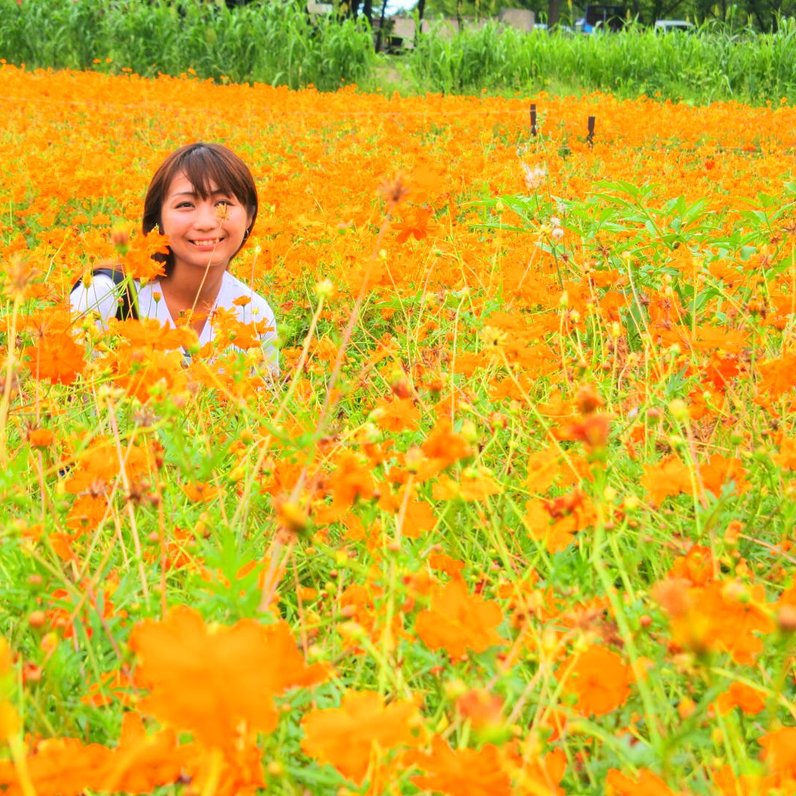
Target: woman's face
[[203, 233]]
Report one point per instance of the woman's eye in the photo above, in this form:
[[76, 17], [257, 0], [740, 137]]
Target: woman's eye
[[184, 204], [225, 202]]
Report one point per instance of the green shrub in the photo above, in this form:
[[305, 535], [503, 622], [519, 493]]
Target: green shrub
[[269, 42], [703, 66], [280, 44]]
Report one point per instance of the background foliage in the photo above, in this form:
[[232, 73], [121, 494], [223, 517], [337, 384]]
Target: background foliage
[[706, 66], [760, 15], [279, 44], [275, 43]]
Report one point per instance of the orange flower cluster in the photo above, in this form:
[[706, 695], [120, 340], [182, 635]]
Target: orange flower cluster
[[217, 683], [458, 622], [712, 614], [518, 517]]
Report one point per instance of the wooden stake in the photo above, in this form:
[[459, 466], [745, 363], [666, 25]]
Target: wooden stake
[[590, 137], [533, 118]]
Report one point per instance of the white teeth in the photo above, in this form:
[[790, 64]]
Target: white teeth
[[212, 242]]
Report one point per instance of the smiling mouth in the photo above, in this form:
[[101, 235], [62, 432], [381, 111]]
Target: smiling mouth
[[208, 242]]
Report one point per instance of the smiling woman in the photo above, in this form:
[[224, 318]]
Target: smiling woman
[[203, 198]]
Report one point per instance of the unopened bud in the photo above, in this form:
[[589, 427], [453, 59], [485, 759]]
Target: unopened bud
[[679, 409], [786, 618]]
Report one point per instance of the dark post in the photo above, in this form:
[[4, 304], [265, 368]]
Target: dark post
[[533, 118], [382, 23], [590, 136]]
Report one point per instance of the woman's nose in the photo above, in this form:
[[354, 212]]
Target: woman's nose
[[206, 216]]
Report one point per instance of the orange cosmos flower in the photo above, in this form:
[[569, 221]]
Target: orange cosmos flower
[[786, 458], [740, 695], [86, 513], [200, 492], [418, 228], [666, 478], [588, 399], [98, 465], [229, 331], [150, 334], [359, 732], [57, 358], [58, 767], [138, 372], [696, 566], [459, 622], [600, 680], [9, 720], [462, 772], [591, 429], [778, 375], [728, 783], [216, 682], [779, 754], [535, 773], [445, 445], [144, 761], [481, 708], [40, 438], [351, 480], [398, 414], [548, 466], [419, 517], [719, 616], [643, 783], [555, 522], [720, 470], [444, 563], [139, 259]]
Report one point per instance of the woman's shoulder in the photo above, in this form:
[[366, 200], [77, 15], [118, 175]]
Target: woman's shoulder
[[97, 294], [98, 280]]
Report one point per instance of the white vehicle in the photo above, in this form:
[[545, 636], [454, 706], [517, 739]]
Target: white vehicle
[[665, 25]]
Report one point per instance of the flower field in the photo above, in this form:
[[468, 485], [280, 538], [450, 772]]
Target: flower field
[[518, 517]]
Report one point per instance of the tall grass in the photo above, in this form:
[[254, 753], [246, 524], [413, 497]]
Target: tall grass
[[280, 44], [703, 66], [268, 42]]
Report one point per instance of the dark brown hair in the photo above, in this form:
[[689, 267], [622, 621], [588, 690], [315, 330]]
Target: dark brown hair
[[203, 165]]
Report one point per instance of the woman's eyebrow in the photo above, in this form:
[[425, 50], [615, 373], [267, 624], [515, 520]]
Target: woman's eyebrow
[[219, 192]]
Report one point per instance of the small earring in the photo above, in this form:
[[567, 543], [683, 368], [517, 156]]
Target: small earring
[[246, 234]]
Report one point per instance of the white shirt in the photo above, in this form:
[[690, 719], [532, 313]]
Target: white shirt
[[102, 295]]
